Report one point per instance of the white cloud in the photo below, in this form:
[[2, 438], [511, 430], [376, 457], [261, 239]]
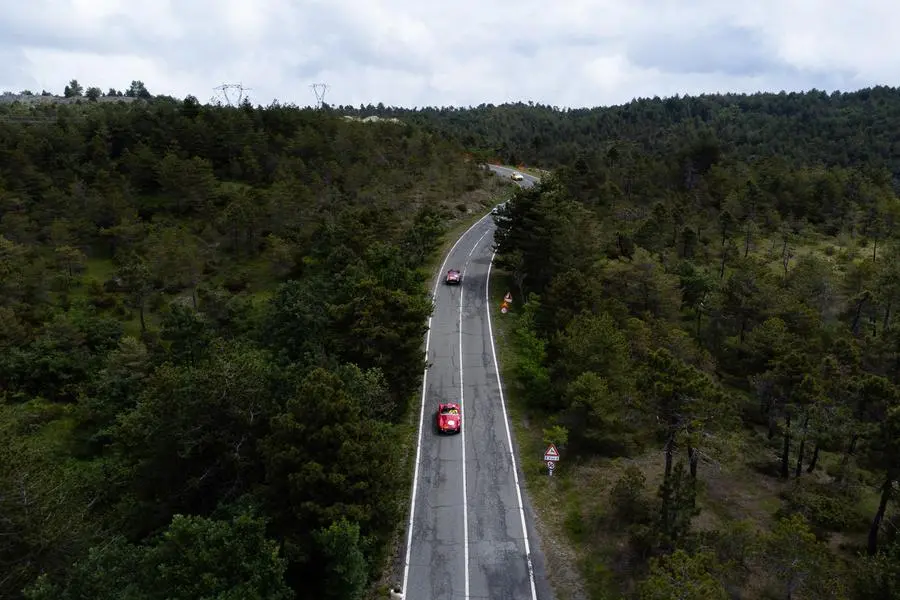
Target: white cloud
[[461, 52]]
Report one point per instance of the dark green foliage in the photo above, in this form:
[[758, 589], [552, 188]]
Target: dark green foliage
[[532, 377], [345, 566], [326, 459], [827, 509], [880, 575], [193, 558], [627, 498], [204, 309], [187, 332], [696, 306], [694, 133], [680, 575]]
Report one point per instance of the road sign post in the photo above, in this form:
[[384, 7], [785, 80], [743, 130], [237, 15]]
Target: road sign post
[[551, 457]]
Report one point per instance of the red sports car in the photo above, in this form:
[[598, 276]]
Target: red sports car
[[453, 276], [449, 418]]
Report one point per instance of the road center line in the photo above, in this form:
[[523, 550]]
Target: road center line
[[463, 431], [463, 441], [415, 486], [512, 452]]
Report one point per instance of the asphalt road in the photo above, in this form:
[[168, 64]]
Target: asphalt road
[[469, 516]]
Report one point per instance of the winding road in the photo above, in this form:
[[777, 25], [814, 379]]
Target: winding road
[[470, 531]]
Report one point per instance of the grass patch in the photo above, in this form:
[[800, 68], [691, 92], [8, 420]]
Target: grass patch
[[838, 253], [101, 269]]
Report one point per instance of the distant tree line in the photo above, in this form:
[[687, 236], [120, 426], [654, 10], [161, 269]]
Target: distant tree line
[[844, 129]]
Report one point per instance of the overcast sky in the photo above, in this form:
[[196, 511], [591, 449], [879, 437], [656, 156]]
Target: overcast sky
[[450, 52]]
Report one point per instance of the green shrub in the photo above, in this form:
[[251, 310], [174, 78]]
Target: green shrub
[[627, 499], [575, 524], [827, 509]]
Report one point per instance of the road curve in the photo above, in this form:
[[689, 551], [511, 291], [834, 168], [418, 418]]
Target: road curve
[[505, 172], [470, 532]]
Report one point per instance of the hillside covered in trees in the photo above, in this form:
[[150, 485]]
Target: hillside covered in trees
[[839, 129], [211, 326], [198, 301], [710, 336]]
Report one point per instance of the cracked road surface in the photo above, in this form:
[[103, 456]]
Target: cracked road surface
[[469, 535]]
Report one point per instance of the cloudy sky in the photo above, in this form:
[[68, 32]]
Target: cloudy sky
[[449, 52]]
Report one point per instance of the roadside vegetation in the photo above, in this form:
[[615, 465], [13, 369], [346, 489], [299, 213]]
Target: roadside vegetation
[[712, 343], [211, 326]]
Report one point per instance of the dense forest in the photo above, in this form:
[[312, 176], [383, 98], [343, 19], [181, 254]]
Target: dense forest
[[211, 324], [712, 341], [805, 128]]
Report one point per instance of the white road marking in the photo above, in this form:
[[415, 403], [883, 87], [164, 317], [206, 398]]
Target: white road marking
[[512, 452], [463, 441], [415, 487], [463, 431]]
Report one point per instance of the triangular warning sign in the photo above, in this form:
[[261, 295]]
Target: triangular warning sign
[[507, 298], [551, 450]]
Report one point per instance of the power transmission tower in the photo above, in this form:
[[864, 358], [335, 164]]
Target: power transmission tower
[[319, 90], [232, 93]]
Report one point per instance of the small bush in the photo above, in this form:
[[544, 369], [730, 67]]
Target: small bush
[[627, 499], [237, 280], [600, 579], [643, 539], [156, 303], [575, 524], [97, 295], [826, 509]]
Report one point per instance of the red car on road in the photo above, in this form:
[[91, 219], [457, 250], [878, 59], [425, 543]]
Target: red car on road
[[449, 418], [453, 276]]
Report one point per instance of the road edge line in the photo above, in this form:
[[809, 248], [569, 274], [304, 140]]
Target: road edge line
[[462, 405], [512, 451]]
